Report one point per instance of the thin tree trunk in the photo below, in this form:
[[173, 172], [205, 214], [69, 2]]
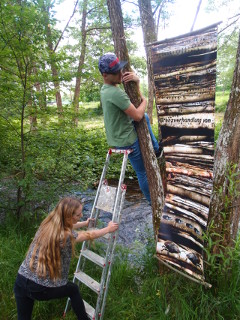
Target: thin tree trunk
[[33, 116], [53, 65], [149, 36], [149, 158], [224, 212], [20, 199], [32, 108], [197, 12], [80, 64]]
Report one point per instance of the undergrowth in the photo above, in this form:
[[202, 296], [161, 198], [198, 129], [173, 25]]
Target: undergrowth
[[137, 290]]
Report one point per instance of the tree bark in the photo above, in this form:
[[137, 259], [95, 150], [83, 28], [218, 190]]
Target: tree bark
[[149, 36], [149, 158], [224, 212], [80, 64]]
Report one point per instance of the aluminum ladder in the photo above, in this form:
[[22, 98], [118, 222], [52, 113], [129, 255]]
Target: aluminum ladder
[[108, 199]]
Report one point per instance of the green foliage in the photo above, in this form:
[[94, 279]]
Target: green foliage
[[220, 261], [59, 157], [226, 59]]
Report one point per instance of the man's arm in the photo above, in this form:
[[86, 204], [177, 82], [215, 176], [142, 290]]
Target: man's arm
[[135, 113]]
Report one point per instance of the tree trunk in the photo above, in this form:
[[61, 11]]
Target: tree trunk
[[32, 107], [224, 212], [80, 64], [33, 116], [197, 12], [149, 36], [149, 158], [53, 64]]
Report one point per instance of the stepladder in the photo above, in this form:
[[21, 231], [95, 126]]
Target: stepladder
[[94, 266]]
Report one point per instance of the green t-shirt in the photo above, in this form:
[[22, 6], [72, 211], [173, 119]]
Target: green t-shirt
[[119, 127]]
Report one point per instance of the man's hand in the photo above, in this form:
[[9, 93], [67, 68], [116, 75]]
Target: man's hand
[[130, 76]]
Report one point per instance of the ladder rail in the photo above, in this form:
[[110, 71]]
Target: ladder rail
[[98, 313], [121, 178], [115, 218], [110, 266], [101, 181]]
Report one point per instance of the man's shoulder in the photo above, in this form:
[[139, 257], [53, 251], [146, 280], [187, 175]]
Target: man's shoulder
[[109, 91], [108, 87]]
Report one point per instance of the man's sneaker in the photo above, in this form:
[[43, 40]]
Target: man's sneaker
[[159, 153]]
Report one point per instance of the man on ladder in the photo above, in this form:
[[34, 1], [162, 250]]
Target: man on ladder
[[119, 114]]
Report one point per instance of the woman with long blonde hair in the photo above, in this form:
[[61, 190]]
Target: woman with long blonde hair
[[43, 275]]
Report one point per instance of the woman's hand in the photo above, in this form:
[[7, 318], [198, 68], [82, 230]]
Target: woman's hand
[[130, 76], [83, 224], [96, 233], [90, 221], [112, 226]]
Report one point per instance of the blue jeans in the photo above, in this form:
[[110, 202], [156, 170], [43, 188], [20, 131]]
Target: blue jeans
[[136, 160]]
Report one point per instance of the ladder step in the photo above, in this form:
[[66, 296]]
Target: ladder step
[[89, 310], [90, 255], [106, 199], [88, 281], [106, 236]]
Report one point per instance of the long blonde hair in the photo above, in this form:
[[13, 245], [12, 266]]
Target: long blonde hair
[[51, 236]]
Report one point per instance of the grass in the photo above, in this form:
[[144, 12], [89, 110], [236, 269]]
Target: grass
[[137, 290], [221, 101]]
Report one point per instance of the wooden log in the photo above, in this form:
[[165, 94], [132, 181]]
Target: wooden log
[[184, 139], [178, 51], [191, 211], [164, 248], [183, 224], [193, 156], [186, 149], [184, 83], [187, 166], [195, 161], [205, 193], [197, 95], [185, 238], [197, 183], [190, 172], [181, 157], [163, 110], [183, 192], [174, 209], [204, 144], [197, 208], [182, 268], [188, 71], [167, 130]]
